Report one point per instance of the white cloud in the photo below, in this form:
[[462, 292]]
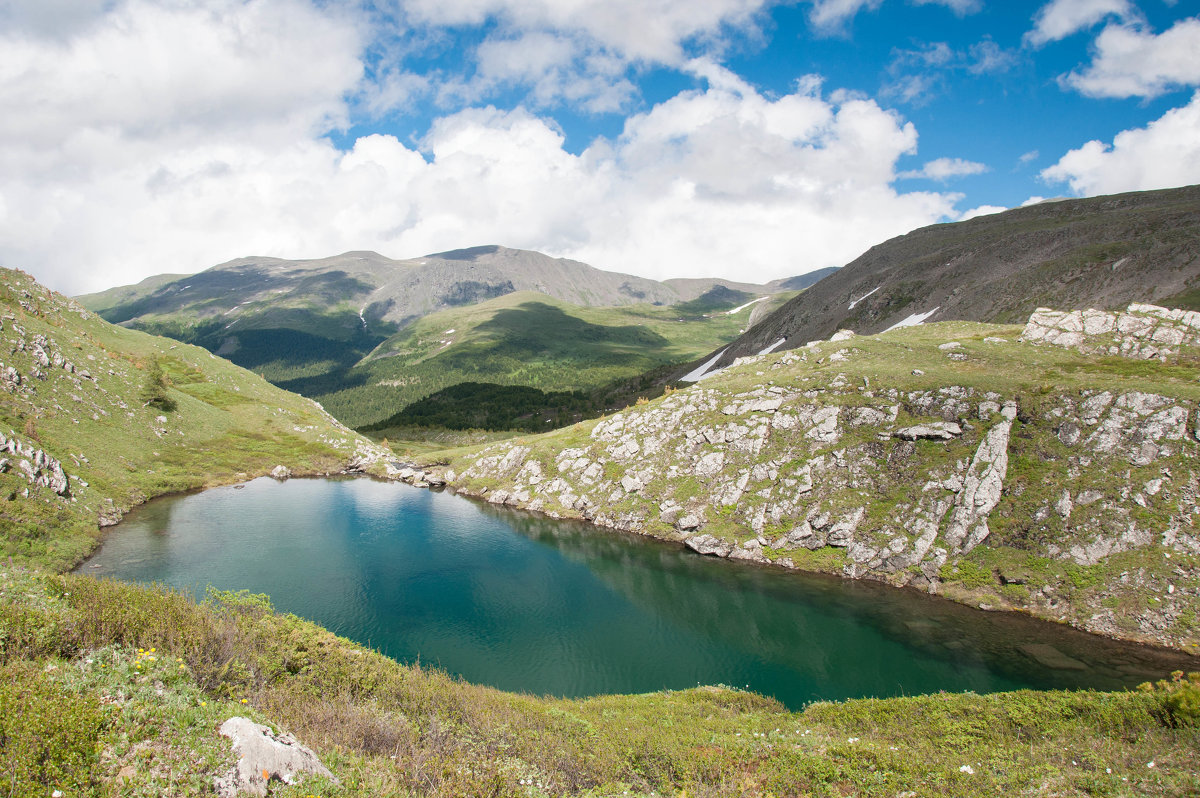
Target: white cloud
[[918, 75], [1164, 154], [982, 210], [555, 67], [101, 186], [1059, 19], [960, 7], [1130, 62], [987, 57], [832, 15], [638, 30], [577, 52], [186, 69], [50, 18], [942, 169], [1029, 157]]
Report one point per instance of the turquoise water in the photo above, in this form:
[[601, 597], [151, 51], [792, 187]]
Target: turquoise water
[[528, 604]]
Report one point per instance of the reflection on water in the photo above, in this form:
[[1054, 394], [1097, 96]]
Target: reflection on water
[[526, 603]]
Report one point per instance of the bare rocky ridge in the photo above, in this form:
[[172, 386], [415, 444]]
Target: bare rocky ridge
[[904, 486], [1101, 252]]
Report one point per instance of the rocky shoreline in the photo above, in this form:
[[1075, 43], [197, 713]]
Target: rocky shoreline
[[1067, 506]]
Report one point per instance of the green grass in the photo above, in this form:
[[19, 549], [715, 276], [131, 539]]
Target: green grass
[[209, 422], [132, 680]]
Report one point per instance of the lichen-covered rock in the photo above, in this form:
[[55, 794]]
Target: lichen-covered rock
[[981, 486], [937, 431], [1141, 332], [263, 757]]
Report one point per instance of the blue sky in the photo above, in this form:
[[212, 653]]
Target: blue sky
[[739, 138]]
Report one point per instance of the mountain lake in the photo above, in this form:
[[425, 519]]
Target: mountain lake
[[530, 604]]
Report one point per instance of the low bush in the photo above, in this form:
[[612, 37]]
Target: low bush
[[1179, 697], [48, 736]]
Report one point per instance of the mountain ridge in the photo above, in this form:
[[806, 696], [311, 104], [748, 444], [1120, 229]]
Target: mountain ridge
[[1101, 252], [322, 327]]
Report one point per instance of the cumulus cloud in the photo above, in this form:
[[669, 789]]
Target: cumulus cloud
[[185, 69], [555, 67], [721, 181], [1131, 62], [1059, 19], [942, 169], [575, 52], [1164, 154]]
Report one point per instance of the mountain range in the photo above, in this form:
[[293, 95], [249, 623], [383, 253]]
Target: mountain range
[[367, 335]]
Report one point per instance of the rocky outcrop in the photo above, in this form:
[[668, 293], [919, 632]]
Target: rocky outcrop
[[834, 473], [39, 468], [263, 757], [1142, 331], [981, 486]]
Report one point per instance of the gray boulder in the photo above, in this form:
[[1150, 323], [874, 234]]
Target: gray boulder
[[262, 756]]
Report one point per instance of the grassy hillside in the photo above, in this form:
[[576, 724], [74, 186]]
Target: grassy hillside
[[120, 689], [99, 418], [950, 457], [365, 335], [522, 339]]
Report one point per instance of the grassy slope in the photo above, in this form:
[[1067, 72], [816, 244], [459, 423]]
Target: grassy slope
[[310, 339], [226, 424], [122, 686], [113, 689], [1127, 588], [523, 338]]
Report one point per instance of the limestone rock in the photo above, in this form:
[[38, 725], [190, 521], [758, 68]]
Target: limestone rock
[[709, 545], [937, 431], [981, 486], [280, 472], [262, 756]]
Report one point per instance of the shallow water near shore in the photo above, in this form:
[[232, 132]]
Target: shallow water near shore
[[530, 604]]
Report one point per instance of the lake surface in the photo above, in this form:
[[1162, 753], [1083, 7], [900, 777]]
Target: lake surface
[[529, 604]]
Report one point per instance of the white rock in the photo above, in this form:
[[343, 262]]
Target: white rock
[[261, 751]]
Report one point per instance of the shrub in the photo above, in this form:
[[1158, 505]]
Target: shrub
[[27, 634], [48, 737], [1179, 698], [154, 387]]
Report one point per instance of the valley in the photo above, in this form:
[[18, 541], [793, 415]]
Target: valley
[[367, 336], [1041, 463]]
